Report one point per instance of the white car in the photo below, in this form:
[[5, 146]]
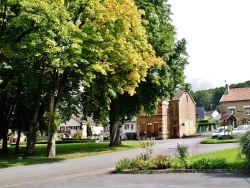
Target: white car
[[219, 131], [241, 130]]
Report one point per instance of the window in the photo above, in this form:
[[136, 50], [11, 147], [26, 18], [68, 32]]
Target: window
[[132, 126], [247, 111], [126, 126], [232, 111]]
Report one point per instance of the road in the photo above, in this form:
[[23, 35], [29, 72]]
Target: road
[[95, 171]]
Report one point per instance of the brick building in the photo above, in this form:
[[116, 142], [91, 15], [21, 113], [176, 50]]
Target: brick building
[[175, 118], [236, 102]]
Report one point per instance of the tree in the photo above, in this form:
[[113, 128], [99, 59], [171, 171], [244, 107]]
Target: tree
[[127, 56], [41, 38], [89, 130], [160, 82], [65, 44]]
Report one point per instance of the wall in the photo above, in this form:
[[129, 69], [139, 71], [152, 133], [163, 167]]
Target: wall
[[239, 110], [187, 114]]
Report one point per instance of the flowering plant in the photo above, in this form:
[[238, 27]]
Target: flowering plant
[[147, 149]]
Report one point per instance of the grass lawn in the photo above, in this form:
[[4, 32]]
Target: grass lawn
[[82, 149], [217, 141], [232, 156], [63, 151]]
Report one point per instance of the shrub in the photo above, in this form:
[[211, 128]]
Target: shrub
[[245, 145], [122, 164], [162, 161], [78, 135], [143, 164], [177, 163], [147, 149], [209, 163], [182, 151], [89, 130]]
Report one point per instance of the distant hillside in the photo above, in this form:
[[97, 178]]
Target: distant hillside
[[210, 98]]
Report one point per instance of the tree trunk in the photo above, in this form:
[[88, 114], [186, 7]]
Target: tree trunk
[[56, 93], [5, 148], [31, 140], [18, 141], [115, 139], [51, 145]]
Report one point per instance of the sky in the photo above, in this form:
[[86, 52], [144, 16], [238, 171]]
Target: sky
[[218, 40]]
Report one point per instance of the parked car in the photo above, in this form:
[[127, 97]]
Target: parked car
[[219, 131], [241, 130]]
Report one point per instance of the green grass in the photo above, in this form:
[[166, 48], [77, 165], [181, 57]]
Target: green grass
[[217, 141], [82, 149], [63, 151], [233, 156]]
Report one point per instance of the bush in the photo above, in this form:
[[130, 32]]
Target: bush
[[162, 161], [209, 163], [122, 164], [89, 131], [147, 149], [77, 135], [178, 163], [182, 151], [245, 145], [142, 164]]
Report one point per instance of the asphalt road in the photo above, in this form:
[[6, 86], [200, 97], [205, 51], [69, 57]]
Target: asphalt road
[[95, 171]]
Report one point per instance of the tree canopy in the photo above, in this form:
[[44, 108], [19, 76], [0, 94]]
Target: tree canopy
[[55, 47]]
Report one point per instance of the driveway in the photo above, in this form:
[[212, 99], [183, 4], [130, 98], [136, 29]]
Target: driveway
[[95, 171]]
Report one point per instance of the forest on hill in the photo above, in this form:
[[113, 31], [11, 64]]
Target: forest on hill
[[210, 98]]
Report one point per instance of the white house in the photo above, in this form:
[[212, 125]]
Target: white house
[[213, 115], [129, 130], [76, 123]]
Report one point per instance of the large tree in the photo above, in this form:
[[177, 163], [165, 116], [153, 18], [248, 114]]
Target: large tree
[[44, 45], [127, 56], [161, 80], [65, 44]]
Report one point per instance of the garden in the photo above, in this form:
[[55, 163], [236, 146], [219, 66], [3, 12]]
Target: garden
[[234, 160]]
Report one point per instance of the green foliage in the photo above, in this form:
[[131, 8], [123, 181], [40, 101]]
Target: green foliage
[[162, 161], [123, 164], [212, 97], [147, 149], [209, 163], [89, 130], [182, 151], [78, 135], [245, 145], [217, 141], [66, 149], [178, 163]]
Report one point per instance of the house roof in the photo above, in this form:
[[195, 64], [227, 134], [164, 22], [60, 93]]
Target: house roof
[[79, 118], [179, 94], [227, 117], [236, 94], [200, 112], [209, 113]]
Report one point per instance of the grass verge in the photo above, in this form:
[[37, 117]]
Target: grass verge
[[63, 151], [218, 141]]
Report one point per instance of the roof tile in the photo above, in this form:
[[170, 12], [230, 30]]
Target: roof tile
[[236, 94]]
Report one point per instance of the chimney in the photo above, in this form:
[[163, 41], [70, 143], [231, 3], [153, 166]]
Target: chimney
[[227, 89]]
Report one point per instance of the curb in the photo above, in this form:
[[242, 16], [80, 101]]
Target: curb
[[231, 171]]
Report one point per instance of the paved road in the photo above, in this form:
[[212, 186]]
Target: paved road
[[95, 171]]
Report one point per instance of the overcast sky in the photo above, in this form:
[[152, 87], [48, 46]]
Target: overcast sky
[[218, 36]]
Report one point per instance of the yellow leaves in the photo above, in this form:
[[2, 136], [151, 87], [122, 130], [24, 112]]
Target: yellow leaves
[[100, 67]]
